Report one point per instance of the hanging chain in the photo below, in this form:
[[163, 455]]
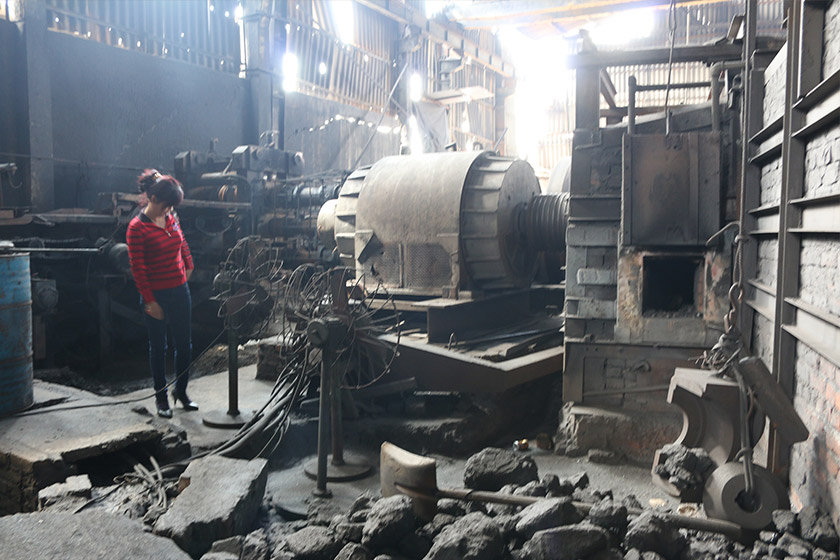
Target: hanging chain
[[725, 352]]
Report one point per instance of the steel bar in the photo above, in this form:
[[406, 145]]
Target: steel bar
[[631, 105], [233, 373], [336, 420], [640, 57], [323, 424], [687, 85], [682, 521], [88, 251]]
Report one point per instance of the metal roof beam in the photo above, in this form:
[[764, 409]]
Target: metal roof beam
[[440, 33], [701, 53], [526, 12]]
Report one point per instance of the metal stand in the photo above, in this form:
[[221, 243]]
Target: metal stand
[[323, 424], [323, 335], [232, 418]]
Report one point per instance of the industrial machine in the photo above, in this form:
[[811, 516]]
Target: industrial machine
[[445, 224], [80, 263], [456, 239]]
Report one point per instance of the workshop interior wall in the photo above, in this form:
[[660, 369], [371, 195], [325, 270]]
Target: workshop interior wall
[[117, 111], [14, 138], [814, 463]]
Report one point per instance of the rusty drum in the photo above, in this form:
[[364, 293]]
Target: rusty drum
[[15, 334]]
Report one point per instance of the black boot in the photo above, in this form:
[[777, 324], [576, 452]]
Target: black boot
[[163, 409], [186, 402]]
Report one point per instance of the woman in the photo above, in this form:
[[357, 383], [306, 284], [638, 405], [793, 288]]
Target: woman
[[162, 264]]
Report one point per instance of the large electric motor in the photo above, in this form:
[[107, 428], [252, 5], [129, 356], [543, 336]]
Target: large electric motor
[[444, 222]]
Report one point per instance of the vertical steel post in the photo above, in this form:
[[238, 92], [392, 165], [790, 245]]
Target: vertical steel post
[[323, 423], [631, 105], [337, 427], [233, 372]]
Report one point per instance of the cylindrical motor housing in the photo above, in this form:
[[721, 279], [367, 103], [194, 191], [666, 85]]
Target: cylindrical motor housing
[[439, 222]]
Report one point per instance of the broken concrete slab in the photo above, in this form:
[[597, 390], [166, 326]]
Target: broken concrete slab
[[67, 495], [313, 543], [253, 546], [63, 536], [652, 533], [388, 521], [567, 543], [492, 468], [39, 450], [545, 514], [817, 528], [473, 537], [220, 499], [353, 551]]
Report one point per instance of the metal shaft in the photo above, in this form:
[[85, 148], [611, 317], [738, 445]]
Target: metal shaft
[[233, 373], [337, 427], [323, 424], [712, 525]]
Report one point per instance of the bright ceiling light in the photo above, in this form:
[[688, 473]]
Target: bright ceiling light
[[344, 21], [322, 68], [415, 87], [290, 72], [623, 27], [238, 12], [415, 138]]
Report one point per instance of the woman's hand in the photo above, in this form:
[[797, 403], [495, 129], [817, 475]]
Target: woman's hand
[[189, 273], [154, 310]]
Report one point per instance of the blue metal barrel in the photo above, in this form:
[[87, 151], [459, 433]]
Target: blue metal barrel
[[15, 334]]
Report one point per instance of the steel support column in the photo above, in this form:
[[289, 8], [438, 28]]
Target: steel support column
[[39, 105], [787, 283]]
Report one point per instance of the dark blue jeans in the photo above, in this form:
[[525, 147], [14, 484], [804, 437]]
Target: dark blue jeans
[[177, 310]]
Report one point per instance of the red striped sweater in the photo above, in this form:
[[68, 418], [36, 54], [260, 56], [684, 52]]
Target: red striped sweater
[[160, 257]]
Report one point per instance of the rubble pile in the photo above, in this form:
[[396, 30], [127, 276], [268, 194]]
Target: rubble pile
[[387, 528], [231, 523], [551, 529], [807, 534], [685, 468]]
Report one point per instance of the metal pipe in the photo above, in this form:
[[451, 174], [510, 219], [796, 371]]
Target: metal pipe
[[336, 422], [220, 178], [323, 424], [233, 373], [714, 77], [657, 87], [631, 105], [649, 389], [49, 250]]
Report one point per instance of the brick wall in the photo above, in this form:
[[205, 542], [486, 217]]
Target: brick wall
[[822, 162], [774, 87], [814, 463], [770, 193], [771, 182], [831, 40], [768, 257], [813, 471], [819, 274]]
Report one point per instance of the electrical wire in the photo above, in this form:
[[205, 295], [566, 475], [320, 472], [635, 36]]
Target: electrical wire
[[72, 161], [381, 117]]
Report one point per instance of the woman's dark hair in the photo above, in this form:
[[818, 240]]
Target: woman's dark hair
[[165, 188]]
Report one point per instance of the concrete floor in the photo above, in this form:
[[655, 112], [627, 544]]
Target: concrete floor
[[62, 432]]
